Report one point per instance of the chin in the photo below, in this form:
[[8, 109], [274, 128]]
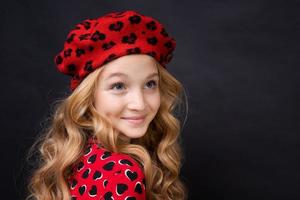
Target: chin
[[133, 131], [133, 134]]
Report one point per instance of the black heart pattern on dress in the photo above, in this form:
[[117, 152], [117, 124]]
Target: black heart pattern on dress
[[84, 185], [131, 175], [121, 188], [108, 196], [74, 183], [93, 191], [125, 162], [97, 175], [80, 166], [92, 159], [109, 166], [130, 198], [86, 173], [82, 189], [105, 183], [138, 188], [105, 155], [87, 150]]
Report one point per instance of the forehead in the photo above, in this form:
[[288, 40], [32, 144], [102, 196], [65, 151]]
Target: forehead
[[134, 66]]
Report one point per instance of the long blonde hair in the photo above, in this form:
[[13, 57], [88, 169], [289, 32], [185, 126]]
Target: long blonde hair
[[75, 119]]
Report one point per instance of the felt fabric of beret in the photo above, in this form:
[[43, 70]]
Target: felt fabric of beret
[[95, 42]]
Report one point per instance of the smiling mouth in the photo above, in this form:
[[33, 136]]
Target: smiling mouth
[[135, 117], [135, 121]]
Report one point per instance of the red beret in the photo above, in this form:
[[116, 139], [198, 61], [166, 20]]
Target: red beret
[[94, 42]]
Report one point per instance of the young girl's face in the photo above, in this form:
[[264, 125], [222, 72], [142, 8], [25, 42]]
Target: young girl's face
[[128, 93]]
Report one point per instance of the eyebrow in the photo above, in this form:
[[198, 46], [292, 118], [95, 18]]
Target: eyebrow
[[125, 75]]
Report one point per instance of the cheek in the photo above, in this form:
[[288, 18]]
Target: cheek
[[155, 101], [107, 105]]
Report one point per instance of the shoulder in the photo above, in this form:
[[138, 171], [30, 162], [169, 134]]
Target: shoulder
[[101, 173]]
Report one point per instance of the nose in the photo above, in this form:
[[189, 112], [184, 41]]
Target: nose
[[137, 100]]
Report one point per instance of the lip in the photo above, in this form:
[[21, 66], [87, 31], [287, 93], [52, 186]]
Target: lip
[[135, 120], [135, 117]]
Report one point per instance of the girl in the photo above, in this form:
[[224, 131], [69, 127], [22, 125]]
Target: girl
[[116, 135]]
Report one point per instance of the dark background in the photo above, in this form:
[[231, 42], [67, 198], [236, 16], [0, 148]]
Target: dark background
[[239, 63]]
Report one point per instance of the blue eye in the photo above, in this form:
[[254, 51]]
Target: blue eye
[[153, 83], [117, 85]]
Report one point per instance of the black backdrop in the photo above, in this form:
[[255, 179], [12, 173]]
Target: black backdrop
[[238, 61]]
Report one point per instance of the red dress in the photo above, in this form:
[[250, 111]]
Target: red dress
[[105, 175]]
